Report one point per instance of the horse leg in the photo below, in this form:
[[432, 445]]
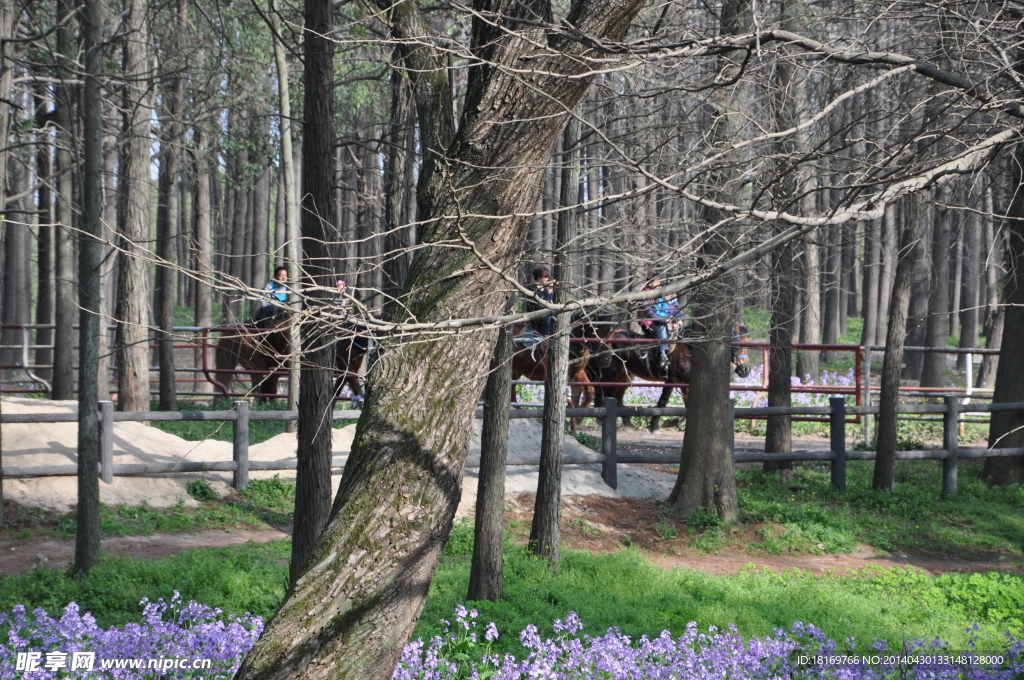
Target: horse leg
[[666, 394]]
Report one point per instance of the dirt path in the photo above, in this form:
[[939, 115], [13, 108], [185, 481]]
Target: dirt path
[[595, 523], [19, 556]]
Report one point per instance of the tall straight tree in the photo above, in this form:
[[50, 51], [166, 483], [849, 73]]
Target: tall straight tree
[[1006, 429], [706, 478], [397, 500], [133, 288], [896, 336], [87, 528], [545, 533], [168, 210], [316, 391], [64, 302], [6, 78]]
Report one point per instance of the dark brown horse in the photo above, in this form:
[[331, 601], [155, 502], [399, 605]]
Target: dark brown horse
[[263, 353], [622, 360], [529, 362]]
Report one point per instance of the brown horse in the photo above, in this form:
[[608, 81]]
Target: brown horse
[[621, 361], [529, 362], [263, 353]]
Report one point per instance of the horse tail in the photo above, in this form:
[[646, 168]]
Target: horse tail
[[226, 358]]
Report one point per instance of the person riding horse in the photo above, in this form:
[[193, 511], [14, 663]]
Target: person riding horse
[[271, 310], [659, 318]]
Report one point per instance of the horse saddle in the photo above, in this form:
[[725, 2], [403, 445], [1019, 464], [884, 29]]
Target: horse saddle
[[528, 339]]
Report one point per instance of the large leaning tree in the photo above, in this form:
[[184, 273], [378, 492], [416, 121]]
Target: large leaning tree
[[351, 617]]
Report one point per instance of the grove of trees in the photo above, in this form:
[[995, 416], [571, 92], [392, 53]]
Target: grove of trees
[[818, 161]]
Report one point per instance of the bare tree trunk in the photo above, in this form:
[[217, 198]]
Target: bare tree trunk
[[316, 395], [87, 529], [485, 572], [7, 24], [889, 248], [872, 279], [917, 313], [885, 456], [545, 533], [291, 215], [994, 313], [203, 243], [64, 302], [1006, 429], [44, 247], [396, 190], [970, 299], [779, 435], [133, 285], [167, 217], [934, 370]]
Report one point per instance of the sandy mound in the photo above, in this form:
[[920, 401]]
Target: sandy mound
[[35, 444]]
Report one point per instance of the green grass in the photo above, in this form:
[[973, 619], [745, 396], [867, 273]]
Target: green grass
[[915, 519], [247, 578], [264, 502], [259, 430], [620, 589]]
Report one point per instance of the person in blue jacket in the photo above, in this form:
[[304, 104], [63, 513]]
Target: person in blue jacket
[[657, 318], [278, 291]]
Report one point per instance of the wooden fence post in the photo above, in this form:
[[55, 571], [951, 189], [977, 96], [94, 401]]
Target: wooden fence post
[[107, 441], [240, 445], [609, 468], [732, 430], [837, 435], [950, 430]]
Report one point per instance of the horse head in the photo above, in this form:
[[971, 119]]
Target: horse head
[[740, 355]]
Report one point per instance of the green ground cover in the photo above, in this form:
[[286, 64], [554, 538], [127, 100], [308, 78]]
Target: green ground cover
[[620, 589]]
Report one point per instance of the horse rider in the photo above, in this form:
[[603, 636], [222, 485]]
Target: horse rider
[[360, 342], [658, 317], [269, 312], [544, 291]]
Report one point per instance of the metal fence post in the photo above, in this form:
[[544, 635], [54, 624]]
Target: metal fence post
[[107, 441], [240, 445], [950, 430], [609, 468], [837, 435]]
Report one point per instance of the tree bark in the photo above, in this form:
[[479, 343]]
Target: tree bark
[[933, 373], [316, 393], [1006, 429], [167, 216], [368, 574], [889, 248], [87, 529], [545, 533], [920, 287], [44, 250], [871, 282], [994, 313], [779, 434], [291, 213], [7, 24], [970, 299], [64, 288], [203, 244], [706, 476], [885, 456], [398, 236], [133, 297], [486, 570]]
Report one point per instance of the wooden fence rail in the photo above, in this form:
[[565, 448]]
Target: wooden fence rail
[[608, 458]]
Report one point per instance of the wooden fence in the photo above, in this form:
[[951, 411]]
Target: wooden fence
[[608, 458]]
